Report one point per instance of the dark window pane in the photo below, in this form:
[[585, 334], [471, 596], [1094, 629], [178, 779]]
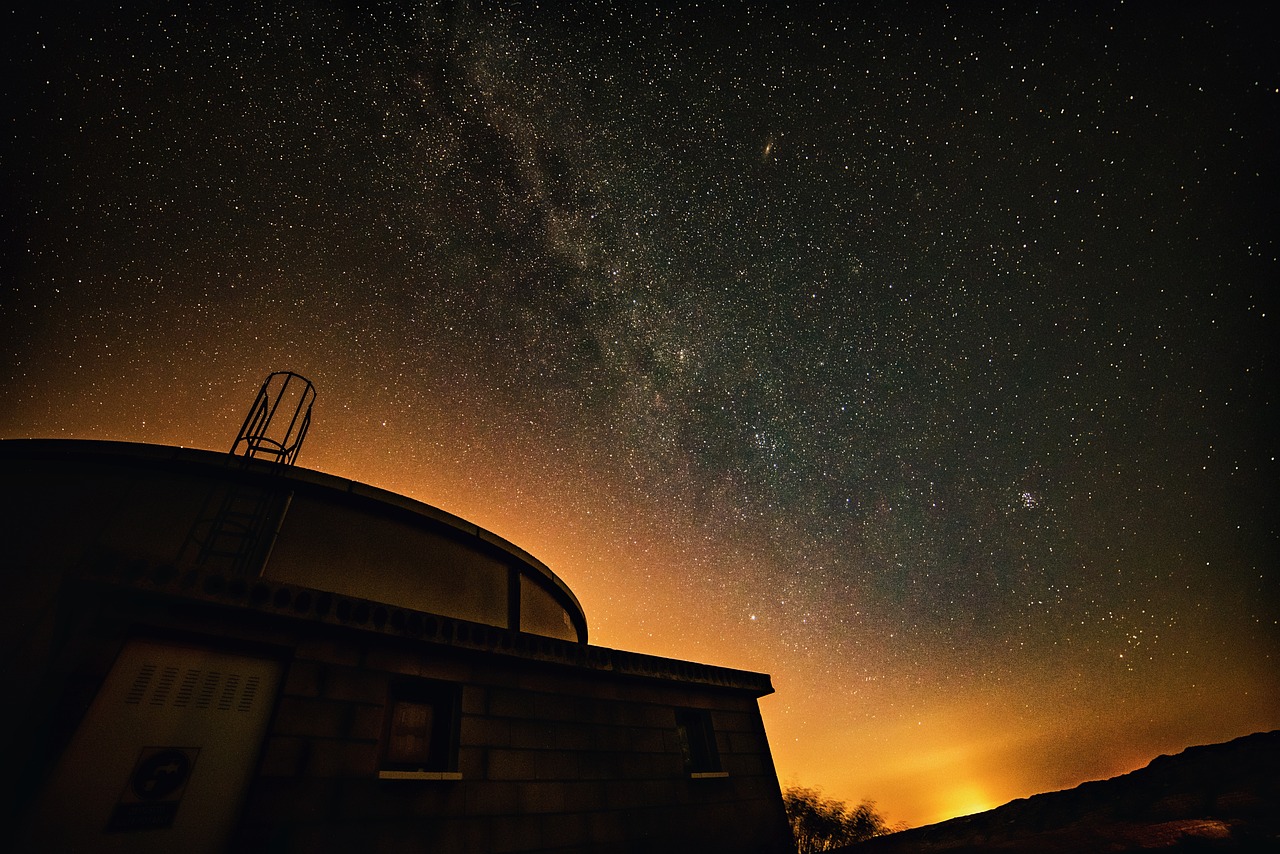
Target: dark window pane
[[410, 739], [697, 740], [422, 723]]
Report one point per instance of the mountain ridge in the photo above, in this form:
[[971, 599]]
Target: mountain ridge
[[1216, 797]]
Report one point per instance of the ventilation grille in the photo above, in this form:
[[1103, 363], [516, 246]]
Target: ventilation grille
[[192, 688]]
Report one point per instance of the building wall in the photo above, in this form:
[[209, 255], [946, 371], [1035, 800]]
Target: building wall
[[552, 756], [558, 746], [550, 760]]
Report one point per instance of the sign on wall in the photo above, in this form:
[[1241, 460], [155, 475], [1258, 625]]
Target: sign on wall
[[161, 760]]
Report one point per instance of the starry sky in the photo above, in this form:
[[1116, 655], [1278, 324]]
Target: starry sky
[[913, 353]]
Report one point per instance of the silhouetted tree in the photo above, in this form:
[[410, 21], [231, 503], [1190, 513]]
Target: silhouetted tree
[[820, 824]]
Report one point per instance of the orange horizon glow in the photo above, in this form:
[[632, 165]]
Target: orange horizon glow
[[919, 738], [923, 744], [912, 356]]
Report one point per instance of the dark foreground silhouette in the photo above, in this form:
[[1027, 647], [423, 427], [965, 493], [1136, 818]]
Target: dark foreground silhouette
[[1213, 798]]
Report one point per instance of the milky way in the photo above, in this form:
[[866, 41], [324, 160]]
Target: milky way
[[913, 354]]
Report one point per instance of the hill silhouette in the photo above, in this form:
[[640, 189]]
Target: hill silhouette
[[1211, 798]]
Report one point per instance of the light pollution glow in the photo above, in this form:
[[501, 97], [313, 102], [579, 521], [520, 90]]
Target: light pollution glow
[[951, 412], [922, 743]]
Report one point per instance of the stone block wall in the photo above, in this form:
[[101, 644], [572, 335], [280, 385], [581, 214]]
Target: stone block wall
[[560, 746], [551, 758]]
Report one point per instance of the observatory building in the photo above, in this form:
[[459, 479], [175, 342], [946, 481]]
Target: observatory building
[[211, 652]]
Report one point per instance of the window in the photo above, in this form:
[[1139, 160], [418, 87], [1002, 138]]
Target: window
[[421, 731], [697, 740]]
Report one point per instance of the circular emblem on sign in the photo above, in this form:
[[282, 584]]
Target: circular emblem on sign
[[160, 774]]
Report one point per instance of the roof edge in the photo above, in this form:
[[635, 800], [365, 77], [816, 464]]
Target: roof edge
[[317, 480], [306, 604]]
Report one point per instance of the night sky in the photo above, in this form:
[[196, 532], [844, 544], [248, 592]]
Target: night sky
[[914, 354]]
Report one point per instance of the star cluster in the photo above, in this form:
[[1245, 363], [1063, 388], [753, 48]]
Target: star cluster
[[913, 353]]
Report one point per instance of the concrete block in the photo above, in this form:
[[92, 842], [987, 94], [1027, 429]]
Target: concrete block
[[610, 690], [575, 737], [491, 797], [564, 830], [570, 708], [554, 765], [583, 796], [706, 791], [652, 766], [574, 711], [338, 758], [436, 797], [284, 756], [345, 683], [502, 674], [512, 765], [411, 836], [310, 717], [414, 662], [646, 824], [446, 669], [515, 833], [741, 764], [505, 703], [275, 801], [475, 700], [473, 763], [604, 828], [746, 742], [607, 712], [647, 740], [329, 651], [729, 721], [541, 797], [599, 766], [622, 794], [477, 836], [613, 739], [366, 722], [651, 716], [303, 679], [533, 735], [761, 788], [536, 679], [393, 660], [369, 799], [637, 714], [306, 838], [486, 732], [654, 792]]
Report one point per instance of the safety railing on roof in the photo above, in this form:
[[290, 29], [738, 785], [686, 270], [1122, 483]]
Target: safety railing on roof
[[278, 419]]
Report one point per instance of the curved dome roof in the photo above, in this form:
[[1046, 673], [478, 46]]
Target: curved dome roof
[[88, 500]]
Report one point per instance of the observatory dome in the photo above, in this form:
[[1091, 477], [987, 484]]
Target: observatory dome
[[235, 520]]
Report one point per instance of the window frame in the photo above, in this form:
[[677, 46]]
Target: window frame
[[696, 740], [440, 758]]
